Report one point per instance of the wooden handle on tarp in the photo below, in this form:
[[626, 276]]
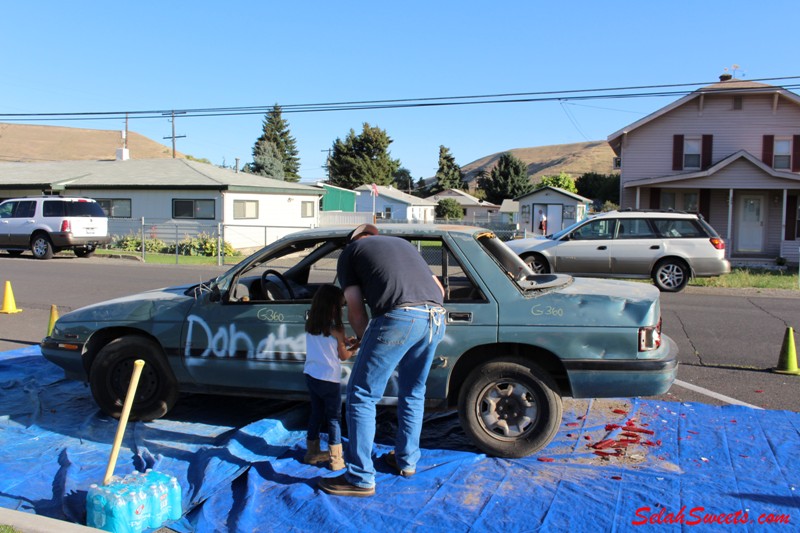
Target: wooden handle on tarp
[[123, 419]]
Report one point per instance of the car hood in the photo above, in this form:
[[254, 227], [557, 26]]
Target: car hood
[[168, 304], [520, 245]]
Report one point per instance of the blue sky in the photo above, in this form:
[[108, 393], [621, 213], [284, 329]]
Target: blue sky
[[93, 56]]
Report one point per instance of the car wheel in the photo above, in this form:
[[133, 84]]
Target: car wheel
[[41, 246], [111, 372], [509, 408], [537, 263], [671, 275], [84, 252]]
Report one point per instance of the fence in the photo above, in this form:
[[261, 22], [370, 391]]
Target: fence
[[187, 241]]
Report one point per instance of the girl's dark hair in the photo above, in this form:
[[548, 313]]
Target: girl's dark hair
[[326, 310]]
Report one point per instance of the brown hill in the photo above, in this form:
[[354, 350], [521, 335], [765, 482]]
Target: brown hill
[[30, 143], [575, 159]]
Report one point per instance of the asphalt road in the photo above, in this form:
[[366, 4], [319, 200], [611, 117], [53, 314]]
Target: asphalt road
[[728, 339]]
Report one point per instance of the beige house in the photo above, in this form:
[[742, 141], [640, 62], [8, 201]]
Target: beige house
[[475, 211], [730, 151]]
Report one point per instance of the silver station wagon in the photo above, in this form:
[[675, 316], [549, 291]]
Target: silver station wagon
[[516, 341], [669, 247]]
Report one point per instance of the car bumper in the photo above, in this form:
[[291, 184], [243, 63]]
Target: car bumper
[[67, 356], [64, 240], [623, 378], [710, 267]]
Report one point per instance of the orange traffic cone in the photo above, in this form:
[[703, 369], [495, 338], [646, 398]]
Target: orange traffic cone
[[53, 318], [787, 362], [9, 306]]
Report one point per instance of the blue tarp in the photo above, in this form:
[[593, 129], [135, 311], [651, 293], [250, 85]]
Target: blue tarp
[[238, 462]]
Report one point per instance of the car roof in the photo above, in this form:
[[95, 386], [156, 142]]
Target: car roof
[[647, 213], [400, 230]]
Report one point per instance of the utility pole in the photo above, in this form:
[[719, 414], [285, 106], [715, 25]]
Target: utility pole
[[173, 136]]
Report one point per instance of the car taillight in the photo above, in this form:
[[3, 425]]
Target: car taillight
[[650, 337], [65, 227], [717, 243]]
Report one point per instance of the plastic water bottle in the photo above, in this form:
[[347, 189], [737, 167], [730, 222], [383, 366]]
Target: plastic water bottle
[[174, 499], [95, 507], [119, 519], [157, 502], [137, 505]]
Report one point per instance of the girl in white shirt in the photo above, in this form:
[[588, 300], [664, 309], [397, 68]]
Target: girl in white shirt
[[326, 347]]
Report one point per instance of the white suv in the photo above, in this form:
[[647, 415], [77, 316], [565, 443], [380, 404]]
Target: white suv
[[45, 225], [667, 246]]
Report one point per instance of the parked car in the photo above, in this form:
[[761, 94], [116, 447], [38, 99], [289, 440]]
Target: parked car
[[516, 342], [45, 225], [668, 246]]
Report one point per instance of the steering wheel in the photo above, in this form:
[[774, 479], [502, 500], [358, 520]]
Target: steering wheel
[[280, 277]]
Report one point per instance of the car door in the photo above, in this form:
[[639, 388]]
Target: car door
[[586, 249], [252, 339], [22, 223], [635, 247], [6, 210]]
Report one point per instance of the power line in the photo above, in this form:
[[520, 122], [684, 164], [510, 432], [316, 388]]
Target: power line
[[573, 95]]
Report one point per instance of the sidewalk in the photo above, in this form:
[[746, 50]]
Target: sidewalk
[[31, 523]]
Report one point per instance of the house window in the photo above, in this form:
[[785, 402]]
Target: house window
[[782, 158], [306, 209], [203, 209], [737, 103], [690, 202], [691, 153], [115, 207], [243, 209], [667, 200], [387, 212]]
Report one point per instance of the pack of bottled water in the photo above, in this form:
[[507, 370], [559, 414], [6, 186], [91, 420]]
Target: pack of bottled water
[[134, 503]]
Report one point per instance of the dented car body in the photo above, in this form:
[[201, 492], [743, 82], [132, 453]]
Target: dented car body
[[515, 343]]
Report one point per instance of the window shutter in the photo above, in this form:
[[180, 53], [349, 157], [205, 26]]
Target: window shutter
[[705, 203], [791, 218], [708, 147], [655, 198], [767, 149], [796, 153], [677, 152]]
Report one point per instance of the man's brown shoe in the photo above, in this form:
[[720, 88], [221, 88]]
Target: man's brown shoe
[[391, 460], [339, 486]]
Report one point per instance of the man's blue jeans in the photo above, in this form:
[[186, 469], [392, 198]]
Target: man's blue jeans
[[405, 339]]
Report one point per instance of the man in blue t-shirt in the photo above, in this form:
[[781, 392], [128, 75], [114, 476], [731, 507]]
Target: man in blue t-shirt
[[405, 301]]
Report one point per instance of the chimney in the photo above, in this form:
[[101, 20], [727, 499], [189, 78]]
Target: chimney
[[725, 77]]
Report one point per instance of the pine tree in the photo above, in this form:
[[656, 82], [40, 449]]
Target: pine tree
[[508, 179], [275, 130], [266, 162], [448, 175], [362, 159]]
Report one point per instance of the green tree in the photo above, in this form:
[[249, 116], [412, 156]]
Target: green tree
[[449, 209], [448, 175], [266, 162], [275, 130], [599, 187], [562, 181], [508, 179], [362, 159], [403, 180]]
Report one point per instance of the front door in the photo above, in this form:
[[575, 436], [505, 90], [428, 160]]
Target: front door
[[750, 227]]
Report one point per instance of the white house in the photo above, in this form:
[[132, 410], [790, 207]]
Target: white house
[[388, 203], [173, 198], [562, 208], [475, 210]]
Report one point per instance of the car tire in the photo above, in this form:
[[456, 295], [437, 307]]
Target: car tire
[[671, 275], [513, 390], [41, 246], [537, 263], [84, 252], [111, 372]]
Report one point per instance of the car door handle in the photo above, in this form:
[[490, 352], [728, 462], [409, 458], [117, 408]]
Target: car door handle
[[655, 247], [602, 247], [459, 317]]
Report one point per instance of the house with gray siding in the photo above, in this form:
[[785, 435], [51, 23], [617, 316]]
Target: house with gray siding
[[730, 151], [388, 203]]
